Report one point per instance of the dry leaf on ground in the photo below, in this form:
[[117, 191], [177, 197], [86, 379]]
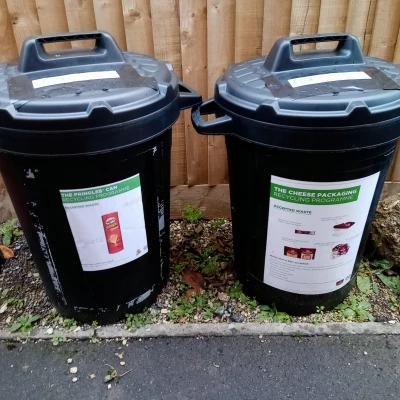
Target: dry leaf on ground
[[7, 252], [194, 279]]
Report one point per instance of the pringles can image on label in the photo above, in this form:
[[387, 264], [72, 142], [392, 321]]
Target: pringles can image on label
[[113, 232]]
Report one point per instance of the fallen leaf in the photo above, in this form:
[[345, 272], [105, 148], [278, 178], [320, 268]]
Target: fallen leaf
[[7, 252], [194, 279]]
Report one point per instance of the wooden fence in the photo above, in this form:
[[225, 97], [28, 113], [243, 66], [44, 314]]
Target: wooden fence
[[200, 38]]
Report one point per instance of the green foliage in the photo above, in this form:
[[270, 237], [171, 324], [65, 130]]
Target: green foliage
[[10, 302], [178, 268], [24, 323], [205, 302], [54, 317], [364, 284], [217, 223], [58, 340], [356, 307], [210, 261], [236, 292], [381, 264], [319, 313], [136, 321], [8, 230], [272, 313], [395, 304], [69, 323], [94, 340], [392, 282], [375, 288], [192, 214], [95, 324]]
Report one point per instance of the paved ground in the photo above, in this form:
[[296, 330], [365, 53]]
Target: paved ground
[[231, 368]]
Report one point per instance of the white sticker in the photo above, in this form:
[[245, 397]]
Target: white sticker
[[107, 223], [84, 76], [337, 76], [314, 232]]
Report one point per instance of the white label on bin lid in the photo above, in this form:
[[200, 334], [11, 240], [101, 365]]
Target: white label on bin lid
[[314, 232], [337, 76], [107, 223], [84, 76]]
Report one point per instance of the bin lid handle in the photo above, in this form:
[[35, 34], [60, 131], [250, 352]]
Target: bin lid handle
[[282, 57], [34, 57]]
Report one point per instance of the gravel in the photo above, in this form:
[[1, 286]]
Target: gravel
[[189, 243]]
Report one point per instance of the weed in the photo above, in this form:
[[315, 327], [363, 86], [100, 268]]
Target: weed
[[8, 230], [392, 282], [24, 323], [364, 284], [95, 324], [209, 261], [54, 317], [192, 214], [236, 292], [217, 223], [94, 340], [183, 308], [356, 307], [58, 340], [178, 268], [136, 321], [319, 313], [272, 313], [69, 323], [394, 304]]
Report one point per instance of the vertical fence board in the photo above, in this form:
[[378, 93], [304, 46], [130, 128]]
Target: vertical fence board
[[357, 19], [248, 30], [138, 26], [53, 19], [369, 26], [193, 23], [8, 46], [108, 14], [277, 17], [304, 20], [24, 19], [386, 29], [167, 47], [332, 19], [80, 17], [221, 53], [396, 57]]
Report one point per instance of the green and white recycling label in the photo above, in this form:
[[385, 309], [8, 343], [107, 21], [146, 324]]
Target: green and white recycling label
[[107, 223], [314, 232]]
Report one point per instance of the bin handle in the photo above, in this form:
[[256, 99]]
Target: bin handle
[[283, 58], [188, 97], [218, 126], [34, 57]]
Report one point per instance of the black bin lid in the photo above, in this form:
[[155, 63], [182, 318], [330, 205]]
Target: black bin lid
[[84, 101], [314, 100]]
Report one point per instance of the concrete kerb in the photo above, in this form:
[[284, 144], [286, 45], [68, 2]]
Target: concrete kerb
[[209, 330]]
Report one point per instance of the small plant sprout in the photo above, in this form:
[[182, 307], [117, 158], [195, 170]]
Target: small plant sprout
[[24, 324], [192, 214], [58, 340]]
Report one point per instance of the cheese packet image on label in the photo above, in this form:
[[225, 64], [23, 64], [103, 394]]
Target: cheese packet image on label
[[107, 223]]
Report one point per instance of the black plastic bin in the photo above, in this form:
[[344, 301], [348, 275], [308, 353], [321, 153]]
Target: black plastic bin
[[310, 137], [85, 140]]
